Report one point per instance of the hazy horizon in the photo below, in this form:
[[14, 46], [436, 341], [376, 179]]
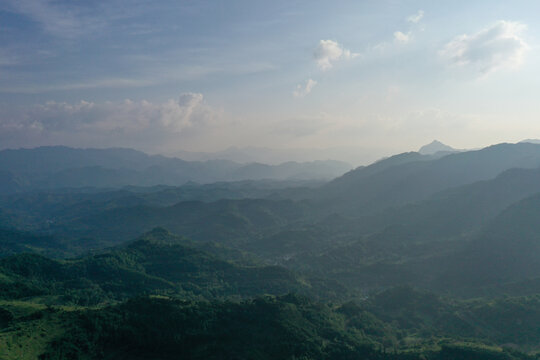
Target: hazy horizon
[[354, 81]]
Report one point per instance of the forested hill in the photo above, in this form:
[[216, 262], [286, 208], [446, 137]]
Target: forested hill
[[157, 262]]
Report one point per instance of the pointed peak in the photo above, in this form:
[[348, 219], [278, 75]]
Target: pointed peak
[[436, 142], [434, 147]]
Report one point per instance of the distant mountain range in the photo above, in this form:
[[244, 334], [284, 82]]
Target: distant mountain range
[[273, 156], [411, 177], [253, 154], [64, 167]]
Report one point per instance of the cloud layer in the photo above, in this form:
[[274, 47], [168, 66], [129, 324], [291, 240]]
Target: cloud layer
[[497, 47], [114, 123]]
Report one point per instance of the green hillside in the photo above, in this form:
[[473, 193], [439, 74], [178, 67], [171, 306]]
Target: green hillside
[[159, 263], [285, 327]]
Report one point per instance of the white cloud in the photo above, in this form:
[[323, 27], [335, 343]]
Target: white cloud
[[404, 38], [126, 116], [416, 17], [126, 123], [497, 47], [401, 37], [328, 52], [303, 90]]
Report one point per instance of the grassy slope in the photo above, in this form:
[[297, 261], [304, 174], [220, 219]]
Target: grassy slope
[[28, 334]]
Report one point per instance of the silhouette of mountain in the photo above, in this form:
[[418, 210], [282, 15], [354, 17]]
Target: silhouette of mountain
[[63, 167], [434, 147], [412, 177]]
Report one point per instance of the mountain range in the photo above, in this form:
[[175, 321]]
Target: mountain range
[[63, 167], [434, 256]]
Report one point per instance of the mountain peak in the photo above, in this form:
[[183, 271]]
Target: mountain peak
[[434, 147]]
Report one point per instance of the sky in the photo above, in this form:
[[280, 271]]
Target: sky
[[355, 80]]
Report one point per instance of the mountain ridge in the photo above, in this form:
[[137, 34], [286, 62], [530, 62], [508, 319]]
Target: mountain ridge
[[65, 167], [415, 177]]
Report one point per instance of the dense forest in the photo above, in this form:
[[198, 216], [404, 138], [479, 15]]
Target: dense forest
[[416, 256]]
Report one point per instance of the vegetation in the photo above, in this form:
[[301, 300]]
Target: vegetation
[[414, 257], [156, 263], [268, 327]]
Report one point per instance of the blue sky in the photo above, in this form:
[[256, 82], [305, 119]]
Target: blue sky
[[370, 78]]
